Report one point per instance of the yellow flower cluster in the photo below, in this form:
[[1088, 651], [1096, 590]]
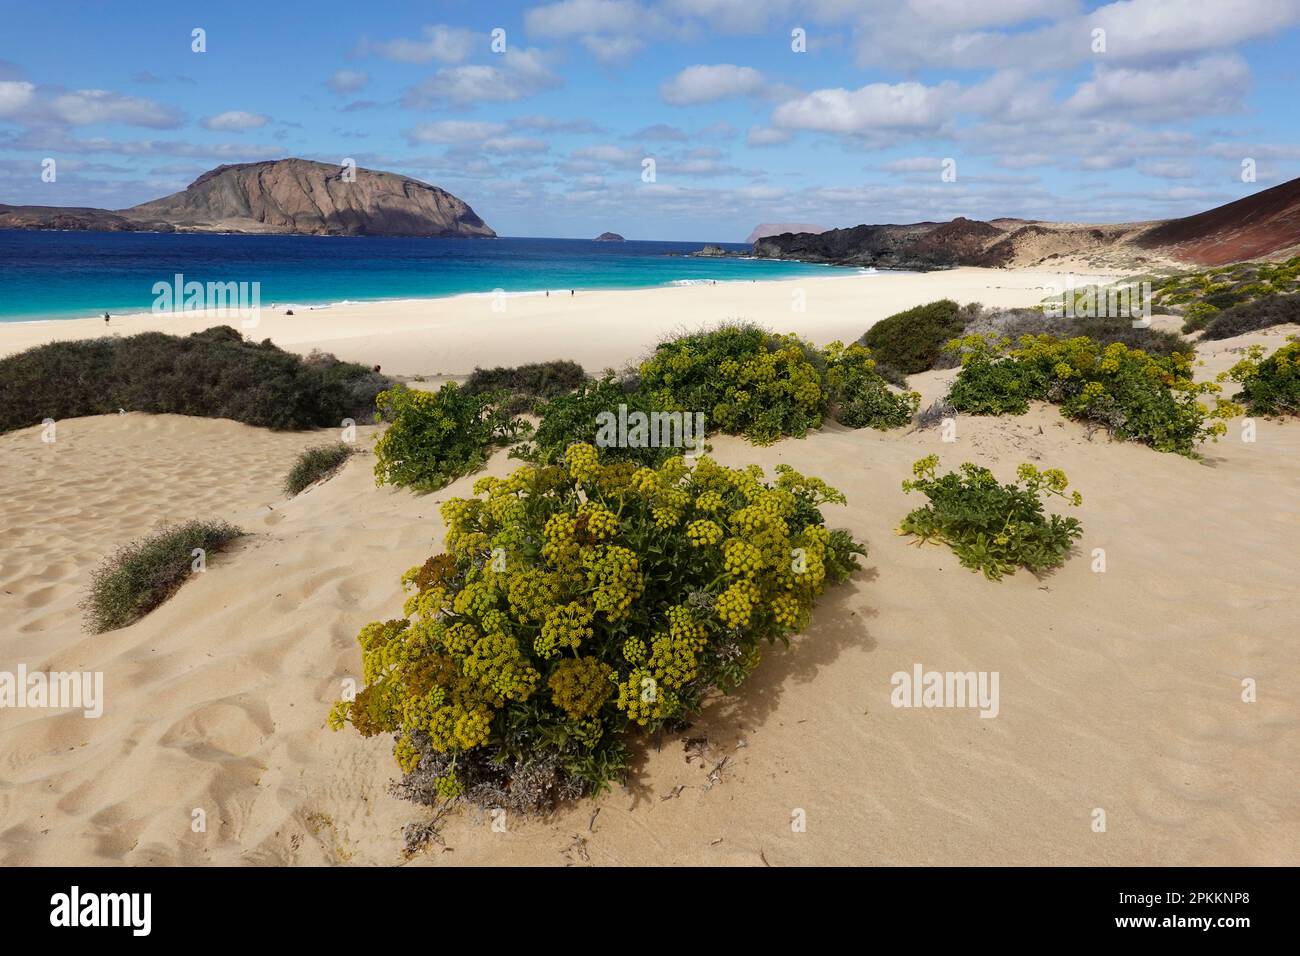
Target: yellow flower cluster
[[583, 462], [736, 603], [741, 559], [580, 686], [565, 627], [601, 522], [612, 574], [500, 668], [703, 533]]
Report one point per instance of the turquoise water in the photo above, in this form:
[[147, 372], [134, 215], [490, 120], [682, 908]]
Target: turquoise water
[[78, 274]]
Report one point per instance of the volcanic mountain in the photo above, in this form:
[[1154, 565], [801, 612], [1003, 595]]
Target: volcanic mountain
[[1264, 225], [295, 196]]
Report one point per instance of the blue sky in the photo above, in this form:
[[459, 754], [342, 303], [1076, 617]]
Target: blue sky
[[548, 137]]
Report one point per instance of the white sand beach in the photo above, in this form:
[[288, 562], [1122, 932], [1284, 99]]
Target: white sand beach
[[1120, 691], [598, 329]]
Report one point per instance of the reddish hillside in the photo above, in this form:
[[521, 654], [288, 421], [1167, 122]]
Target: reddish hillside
[[1249, 228]]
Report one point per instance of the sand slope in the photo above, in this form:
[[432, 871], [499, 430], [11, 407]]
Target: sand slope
[[1119, 691]]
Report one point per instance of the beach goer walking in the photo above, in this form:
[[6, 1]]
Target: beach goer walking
[[106, 318]]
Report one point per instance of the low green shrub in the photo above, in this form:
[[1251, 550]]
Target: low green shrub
[[912, 341], [860, 396], [1269, 386], [314, 464], [436, 437], [1255, 315], [212, 374], [527, 383], [1135, 396], [576, 417], [1014, 324], [578, 605], [747, 380], [145, 573], [993, 528]]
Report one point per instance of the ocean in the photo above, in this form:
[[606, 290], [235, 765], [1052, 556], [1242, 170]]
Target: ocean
[[81, 274]]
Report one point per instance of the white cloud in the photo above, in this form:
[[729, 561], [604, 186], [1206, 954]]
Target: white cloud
[[87, 107], [709, 83], [515, 144], [454, 131], [1215, 84], [235, 121], [1169, 170], [438, 42], [522, 73], [15, 95], [348, 81], [871, 107], [913, 164], [766, 136]]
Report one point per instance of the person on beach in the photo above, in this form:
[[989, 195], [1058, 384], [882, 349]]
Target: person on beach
[[106, 318]]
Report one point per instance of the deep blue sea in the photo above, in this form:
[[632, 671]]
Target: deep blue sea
[[79, 274]]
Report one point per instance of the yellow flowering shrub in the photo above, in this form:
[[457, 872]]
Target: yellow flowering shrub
[[751, 382], [579, 603], [1136, 396]]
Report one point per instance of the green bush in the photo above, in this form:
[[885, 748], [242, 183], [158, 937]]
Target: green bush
[[860, 396], [1255, 315], [1269, 386], [314, 464], [575, 417], [578, 605], [1133, 395], [212, 374], [436, 437], [991, 527], [143, 574], [912, 341], [746, 380], [1014, 324], [527, 383]]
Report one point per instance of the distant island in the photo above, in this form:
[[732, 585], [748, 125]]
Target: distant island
[[610, 237], [283, 196]]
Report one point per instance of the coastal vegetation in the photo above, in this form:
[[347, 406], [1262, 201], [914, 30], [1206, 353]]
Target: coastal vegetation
[[212, 374], [991, 527], [315, 464], [1202, 295], [751, 382], [912, 341], [435, 437], [143, 574], [1269, 386], [1252, 316], [580, 604], [528, 383], [576, 417], [1133, 395]]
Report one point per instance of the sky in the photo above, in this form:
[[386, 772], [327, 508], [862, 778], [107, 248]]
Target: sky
[[669, 119]]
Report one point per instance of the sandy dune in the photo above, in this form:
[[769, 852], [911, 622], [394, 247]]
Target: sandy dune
[[1119, 691]]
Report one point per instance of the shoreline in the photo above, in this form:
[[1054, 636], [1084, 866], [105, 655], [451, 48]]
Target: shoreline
[[600, 328]]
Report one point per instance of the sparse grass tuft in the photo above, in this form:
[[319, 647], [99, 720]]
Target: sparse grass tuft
[[316, 463], [141, 575]]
